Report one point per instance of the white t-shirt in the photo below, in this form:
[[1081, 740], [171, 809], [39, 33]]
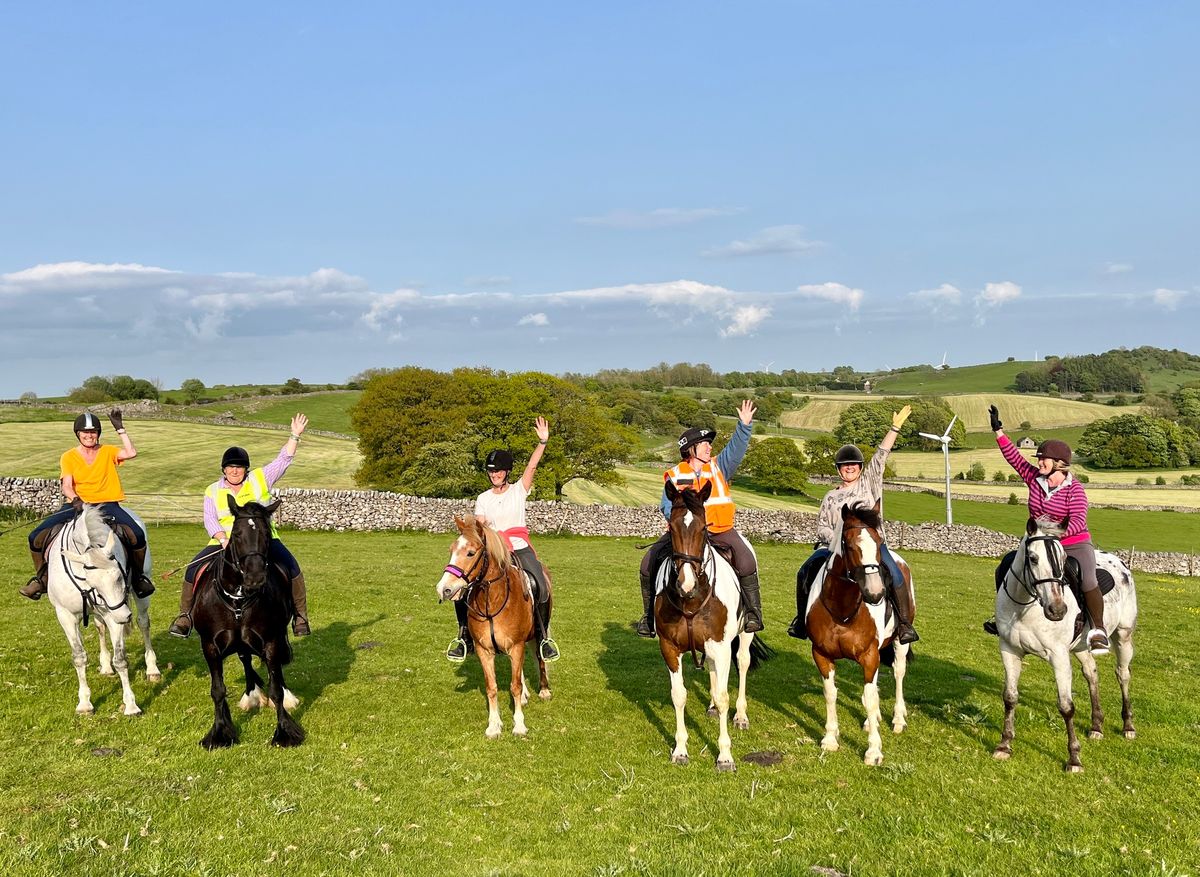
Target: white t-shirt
[[504, 510]]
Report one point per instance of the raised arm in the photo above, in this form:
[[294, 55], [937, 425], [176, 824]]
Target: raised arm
[[542, 428], [128, 451], [735, 449]]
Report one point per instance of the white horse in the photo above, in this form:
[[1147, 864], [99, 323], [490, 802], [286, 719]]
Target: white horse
[[88, 578], [1035, 615]]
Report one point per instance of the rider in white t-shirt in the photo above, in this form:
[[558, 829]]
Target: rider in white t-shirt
[[503, 509]]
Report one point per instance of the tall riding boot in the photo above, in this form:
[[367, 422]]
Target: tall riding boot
[[1097, 636], [300, 604], [182, 625], [36, 586], [138, 580], [905, 610], [462, 645], [547, 647], [645, 626], [799, 628], [754, 622]]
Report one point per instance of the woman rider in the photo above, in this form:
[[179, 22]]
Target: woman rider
[[245, 485], [859, 487], [88, 473], [1055, 493], [503, 509]]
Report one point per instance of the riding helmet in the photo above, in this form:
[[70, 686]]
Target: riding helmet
[[692, 437], [848, 454], [1056, 449], [499, 460], [235, 456], [87, 420]]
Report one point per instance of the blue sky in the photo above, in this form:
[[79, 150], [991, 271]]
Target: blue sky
[[251, 192]]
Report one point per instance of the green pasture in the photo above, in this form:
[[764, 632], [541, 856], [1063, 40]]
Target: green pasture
[[396, 776], [643, 486], [329, 411], [994, 377], [931, 464]]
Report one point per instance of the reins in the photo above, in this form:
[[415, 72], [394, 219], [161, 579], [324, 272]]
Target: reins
[[706, 574], [481, 585], [89, 596], [1031, 586]]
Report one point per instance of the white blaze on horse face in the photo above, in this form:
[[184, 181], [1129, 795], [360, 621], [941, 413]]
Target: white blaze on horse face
[[450, 585], [688, 517], [872, 581], [687, 579]]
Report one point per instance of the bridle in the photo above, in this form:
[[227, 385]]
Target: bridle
[[847, 575], [1029, 585], [705, 567], [89, 595], [478, 582]]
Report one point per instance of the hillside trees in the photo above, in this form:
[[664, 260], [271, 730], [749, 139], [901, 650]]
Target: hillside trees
[[428, 432], [776, 464], [101, 388], [192, 390], [1135, 441], [866, 423]]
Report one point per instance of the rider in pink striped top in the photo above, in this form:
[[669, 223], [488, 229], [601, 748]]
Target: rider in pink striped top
[[1056, 494]]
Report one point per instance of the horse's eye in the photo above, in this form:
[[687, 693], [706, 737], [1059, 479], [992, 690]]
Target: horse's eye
[[471, 553]]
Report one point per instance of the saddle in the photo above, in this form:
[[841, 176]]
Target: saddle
[[1073, 578], [124, 533]]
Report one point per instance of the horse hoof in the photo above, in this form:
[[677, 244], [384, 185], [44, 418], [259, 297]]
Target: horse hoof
[[247, 703], [1073, 768], [290, 701], [712, 711], [132, 710], [726, 767], [216, 741], [154, 677], [85, 710], [107, 671], [679, 759], [1095, 735], [1002, 754], [741, 724], [898, 727], [286, 741], [1130, 734], [492, 735], [520, 732], [873, 760], [829, 745], [544, 694]]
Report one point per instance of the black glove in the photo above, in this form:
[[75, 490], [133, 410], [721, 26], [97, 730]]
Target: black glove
[[77, 504], [117, 420], [994, 413]]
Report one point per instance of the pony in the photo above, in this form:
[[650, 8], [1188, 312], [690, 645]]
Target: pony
[[500, 609], [89, 576], [1035, 615], [242, 606], [698, 611], [849, 618]]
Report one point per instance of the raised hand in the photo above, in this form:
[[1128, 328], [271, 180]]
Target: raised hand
[[994, 414], [746, 411], [299, 424], [116, 419], [542, 427], [898, 417]]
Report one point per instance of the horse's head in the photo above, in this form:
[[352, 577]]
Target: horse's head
[[476, 555], [860, 549], [1043, 565], [96, 548], [689, 535], [250, 541]]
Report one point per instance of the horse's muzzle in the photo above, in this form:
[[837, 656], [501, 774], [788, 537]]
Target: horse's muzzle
[[1055, 611]]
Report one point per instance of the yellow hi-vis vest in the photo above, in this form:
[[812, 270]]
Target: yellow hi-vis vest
[[719, 509], [253, 489]]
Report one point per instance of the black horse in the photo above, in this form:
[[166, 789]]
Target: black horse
[[243, 606]]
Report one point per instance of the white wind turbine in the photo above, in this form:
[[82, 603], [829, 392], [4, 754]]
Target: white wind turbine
[[944, 438]]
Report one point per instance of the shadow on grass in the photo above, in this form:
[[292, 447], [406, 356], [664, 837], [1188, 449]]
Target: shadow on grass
[[323, 659]]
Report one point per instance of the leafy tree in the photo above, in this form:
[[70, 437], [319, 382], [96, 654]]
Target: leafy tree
[[445, 468], [821, 451], [999, 475], [292, 386], [866, 423], [1136, 441], [192, 389], [29, 396], [977, 472], [776, 464]]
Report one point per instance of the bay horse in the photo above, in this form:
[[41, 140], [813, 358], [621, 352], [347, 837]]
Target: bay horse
[[89, 577], [697, 611], [849, 618], [1035, 615], [243, 606], [500, 608]]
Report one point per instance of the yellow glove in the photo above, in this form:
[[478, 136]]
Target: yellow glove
[[900, 416]]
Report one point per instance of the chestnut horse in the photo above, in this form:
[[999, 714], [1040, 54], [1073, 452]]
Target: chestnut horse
[[698, 611], [849, 617], [1035, 615], [500, 608]]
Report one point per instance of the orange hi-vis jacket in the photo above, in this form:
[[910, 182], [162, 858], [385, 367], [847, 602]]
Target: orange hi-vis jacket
[[719, 509]]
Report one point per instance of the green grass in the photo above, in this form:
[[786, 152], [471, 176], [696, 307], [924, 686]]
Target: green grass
[[396, 776], [993, 377], [328, 411]]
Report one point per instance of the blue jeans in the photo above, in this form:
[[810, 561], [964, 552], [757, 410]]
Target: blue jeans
[[108, 509]]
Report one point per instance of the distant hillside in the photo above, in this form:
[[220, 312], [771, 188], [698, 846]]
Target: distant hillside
[[995, 377]]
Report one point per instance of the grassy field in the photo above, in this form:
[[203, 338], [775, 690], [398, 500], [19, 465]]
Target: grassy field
[[396, 776], [911, 464], [994, 377], [328, 411]]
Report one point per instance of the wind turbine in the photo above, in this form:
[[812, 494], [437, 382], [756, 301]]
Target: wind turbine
[[944, 364], [944, 438]]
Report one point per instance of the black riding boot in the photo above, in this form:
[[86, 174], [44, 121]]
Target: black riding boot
[[300, 604], [547, 647], [645, 625], [799, 628], [182, 625], [36, 586], [138, 580], [905, 611], [462, 645], [754, 622]]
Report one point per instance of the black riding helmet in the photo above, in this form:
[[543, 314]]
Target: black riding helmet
[[235, 456], [848, 454], [692, 437], [87, 420], [499, 460]]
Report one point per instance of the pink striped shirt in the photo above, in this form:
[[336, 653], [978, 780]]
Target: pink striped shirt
[[1068, 500]]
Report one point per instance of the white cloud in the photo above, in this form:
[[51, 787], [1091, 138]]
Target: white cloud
[[663, 217], [1168, 299], [1117, 267], [778, 239], [538, 319], [834, 292], [745, 320], [994, 295], [944, 295]]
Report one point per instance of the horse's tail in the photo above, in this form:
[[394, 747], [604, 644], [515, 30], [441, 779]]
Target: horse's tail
[[759, 652]]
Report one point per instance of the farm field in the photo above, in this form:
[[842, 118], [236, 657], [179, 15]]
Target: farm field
[[644, 487], [397, 777], [994, 377], [329, 411], [931, 464]]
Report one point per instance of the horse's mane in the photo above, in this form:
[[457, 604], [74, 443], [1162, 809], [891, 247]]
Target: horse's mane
[[93, 522], [1051, 527], [495, 545], [867, 515]]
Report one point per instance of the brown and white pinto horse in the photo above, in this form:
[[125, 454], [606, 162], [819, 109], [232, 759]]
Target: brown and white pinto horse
[[848, 617], [697, 612], [500, 608]]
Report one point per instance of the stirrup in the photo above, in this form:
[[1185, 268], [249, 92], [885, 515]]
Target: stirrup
[[644, 628], [177, 629], [1097, 641], [456, 652], [797, 629], [548, 651], [989, 626]]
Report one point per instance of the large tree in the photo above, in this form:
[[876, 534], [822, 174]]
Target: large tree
[[1136, 441], [776, 464]]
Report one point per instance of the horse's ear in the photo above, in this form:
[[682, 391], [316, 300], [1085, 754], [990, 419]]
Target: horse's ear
[[74, 556], [706, 491], [234, 508], [1031, 526], [845, 511], [270, 509], [878, 509], [672, 490], [458, 522]]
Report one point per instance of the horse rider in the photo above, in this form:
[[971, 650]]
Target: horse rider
[[1056, 494], [859, 487], [88, 473], [697, 468], [502, 507], [245, 485]]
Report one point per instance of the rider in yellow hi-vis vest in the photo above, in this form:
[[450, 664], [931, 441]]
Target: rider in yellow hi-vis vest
[[245, 485], [697, 468]]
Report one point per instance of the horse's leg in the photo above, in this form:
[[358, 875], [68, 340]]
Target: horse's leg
[[256, 689], [517, 658], [870, 702], [741, 721], [487, 659], [712, 688], [120, 662], [899, 668], [70, 626], [721, 656], [1088, 664], [1012, 676], [825, 667], [222, 733], [1061, 662], [106, 664], [679, 698], [153, 674], [287, 731], [1123, 639], [543, 676]]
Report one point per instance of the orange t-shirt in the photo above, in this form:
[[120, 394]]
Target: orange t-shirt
[[98, 482]]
